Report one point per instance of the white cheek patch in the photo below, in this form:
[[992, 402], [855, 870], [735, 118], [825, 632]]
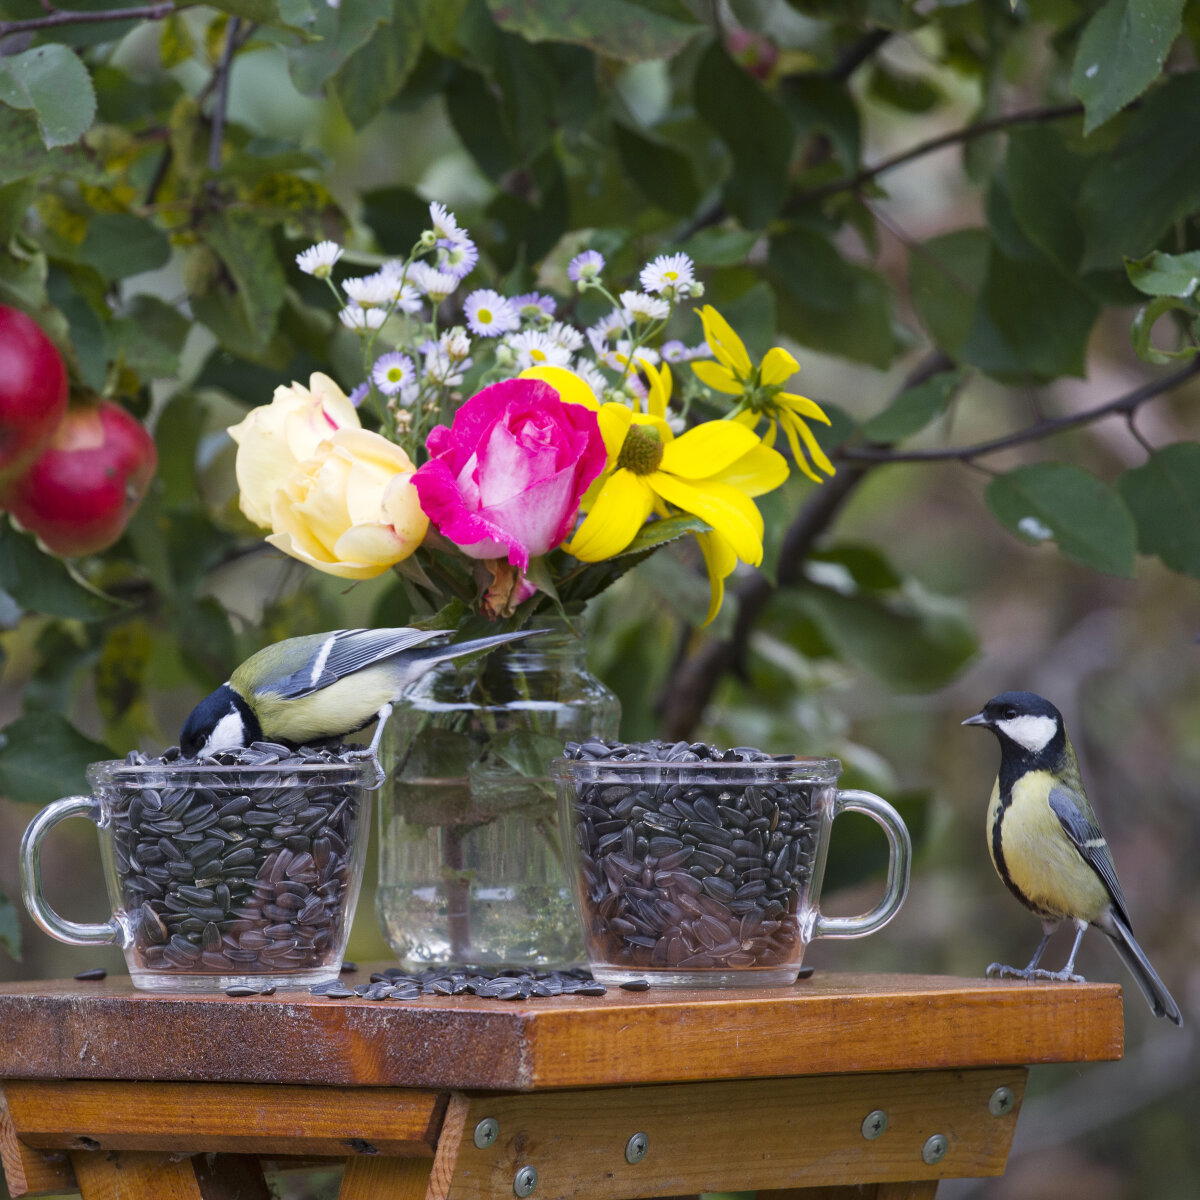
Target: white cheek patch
[[1033, 733], [228, 733]]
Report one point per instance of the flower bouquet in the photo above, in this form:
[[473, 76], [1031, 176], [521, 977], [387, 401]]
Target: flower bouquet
[[509, 461]]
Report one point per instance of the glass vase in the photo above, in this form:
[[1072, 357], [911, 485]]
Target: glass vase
[[472, 867]]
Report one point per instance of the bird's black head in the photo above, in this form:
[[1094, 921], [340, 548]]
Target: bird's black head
[[1026, 724], [221, 721]]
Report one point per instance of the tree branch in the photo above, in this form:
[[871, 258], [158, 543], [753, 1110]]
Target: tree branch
[[1125, 405], [1030, 116], [220, 87], [64, 16], [687, 693]]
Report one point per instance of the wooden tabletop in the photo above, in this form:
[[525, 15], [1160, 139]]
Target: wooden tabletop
[[828, 1024]]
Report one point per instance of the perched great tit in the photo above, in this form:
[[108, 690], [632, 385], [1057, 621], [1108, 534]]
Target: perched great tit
[[323, 686], [1047, 847]]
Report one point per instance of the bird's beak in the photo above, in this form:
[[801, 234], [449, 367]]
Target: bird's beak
[[977, 719]]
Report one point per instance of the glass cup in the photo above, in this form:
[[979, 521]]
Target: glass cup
[[219, 875], [708, 874]]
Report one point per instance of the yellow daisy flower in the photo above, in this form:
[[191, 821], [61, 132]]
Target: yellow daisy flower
[[761, 390]]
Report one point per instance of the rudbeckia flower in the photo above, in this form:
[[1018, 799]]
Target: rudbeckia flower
[[761, 390]]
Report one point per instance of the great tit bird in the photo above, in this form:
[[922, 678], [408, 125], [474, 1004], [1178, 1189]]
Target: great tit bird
[[323, 686], [1047, 847]]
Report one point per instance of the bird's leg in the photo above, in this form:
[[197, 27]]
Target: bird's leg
[[1000, 971], [381, 721], [1067, 974]]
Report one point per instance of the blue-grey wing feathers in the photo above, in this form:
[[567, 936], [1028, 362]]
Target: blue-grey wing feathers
[[1074, 814], [346, 651]]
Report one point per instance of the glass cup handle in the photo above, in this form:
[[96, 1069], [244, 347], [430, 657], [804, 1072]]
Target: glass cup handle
[[899, 860], [71, 932]]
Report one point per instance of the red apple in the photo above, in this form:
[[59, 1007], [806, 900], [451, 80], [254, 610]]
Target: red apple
[[33, 391], [79, 494]]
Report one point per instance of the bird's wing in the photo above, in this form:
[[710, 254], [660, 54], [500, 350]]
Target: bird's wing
[[1075, 815], [346, 651]]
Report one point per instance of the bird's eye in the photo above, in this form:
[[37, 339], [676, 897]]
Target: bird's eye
[[1010, 714]]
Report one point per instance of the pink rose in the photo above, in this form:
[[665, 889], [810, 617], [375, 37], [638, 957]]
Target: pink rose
[[505, 479]]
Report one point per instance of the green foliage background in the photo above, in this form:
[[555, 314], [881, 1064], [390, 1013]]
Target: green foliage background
[[974, 223]]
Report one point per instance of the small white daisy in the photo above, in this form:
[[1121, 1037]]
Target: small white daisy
[[442, 369], [534, 349], [318, 260], [607, 327], [435, 284], [645, 308], [445, 223], [534, 307], [617, 358], [668, 274], [565, 335], [676, 351], [369, 290], [490, 314], [455, 343], [392, 372], [590, 374], [360, 319], [458, 257], [585, 268]]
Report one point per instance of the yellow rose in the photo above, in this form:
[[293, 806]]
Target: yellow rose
[[350, 509], [274, 438]]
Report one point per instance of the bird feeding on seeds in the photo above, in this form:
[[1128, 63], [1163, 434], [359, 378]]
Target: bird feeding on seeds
[[1047, 847], [321, 687]]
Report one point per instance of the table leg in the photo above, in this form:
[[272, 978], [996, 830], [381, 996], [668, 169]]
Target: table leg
[[231, 1177], [381, 1178], [135, 1175]]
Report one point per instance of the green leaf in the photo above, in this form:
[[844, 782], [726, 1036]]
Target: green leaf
[[119, 245], [43, 756], [53, 82], [176, 44], [1164, 497], [1160, 274], [1150, 181], [909, 93], [833, 305], [1084, 516], [150, 338], [913, 641], [26, 157], [757, 131], [628, 30], [824, 106], [914, 408], [40, 583], [658, 170], [396, 216], [1142, 329], [720, 247], [378, 69], [475, 114], [526, 752], [337, 32], [945, 279], [659, 533], [1120, 54], [10, 927], [248, 253], [1044, 180]]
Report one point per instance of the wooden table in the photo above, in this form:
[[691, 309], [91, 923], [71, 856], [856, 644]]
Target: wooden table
[[888, 1081]]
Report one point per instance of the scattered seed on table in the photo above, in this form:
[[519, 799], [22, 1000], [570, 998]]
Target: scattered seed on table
[[348, 967], [339, 994], [635, 985], [240, 989], [94, 975]]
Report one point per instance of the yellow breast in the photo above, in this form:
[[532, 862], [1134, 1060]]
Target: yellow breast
[[1043, 864]]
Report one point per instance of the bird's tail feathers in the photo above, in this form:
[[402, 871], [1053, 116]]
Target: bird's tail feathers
[[444, 653], [1134, 957]]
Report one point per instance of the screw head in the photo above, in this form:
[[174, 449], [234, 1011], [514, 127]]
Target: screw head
[[1002, 1102], [486, 1132], [874, 1124], [935, 1148], [525, 1181], [636, 1148]]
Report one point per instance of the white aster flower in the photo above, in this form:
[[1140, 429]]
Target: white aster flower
[[435, 284], [360, 319], [441, 368], [584, 269], [318, 260], [567, 336], [645, 308], [458, 257], [676, 351], [369, 290], [591, 375], [533, 348], [607, 327], [490, 314], [617, 358], [393, 372], [534, 307], [445, 223], [668, 274], [455, 343]]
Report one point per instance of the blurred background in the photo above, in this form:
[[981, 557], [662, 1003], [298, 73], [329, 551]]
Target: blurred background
[[1008, 261]]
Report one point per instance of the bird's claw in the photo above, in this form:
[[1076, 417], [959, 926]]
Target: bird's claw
[[1057, 976], [1000, 971]]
